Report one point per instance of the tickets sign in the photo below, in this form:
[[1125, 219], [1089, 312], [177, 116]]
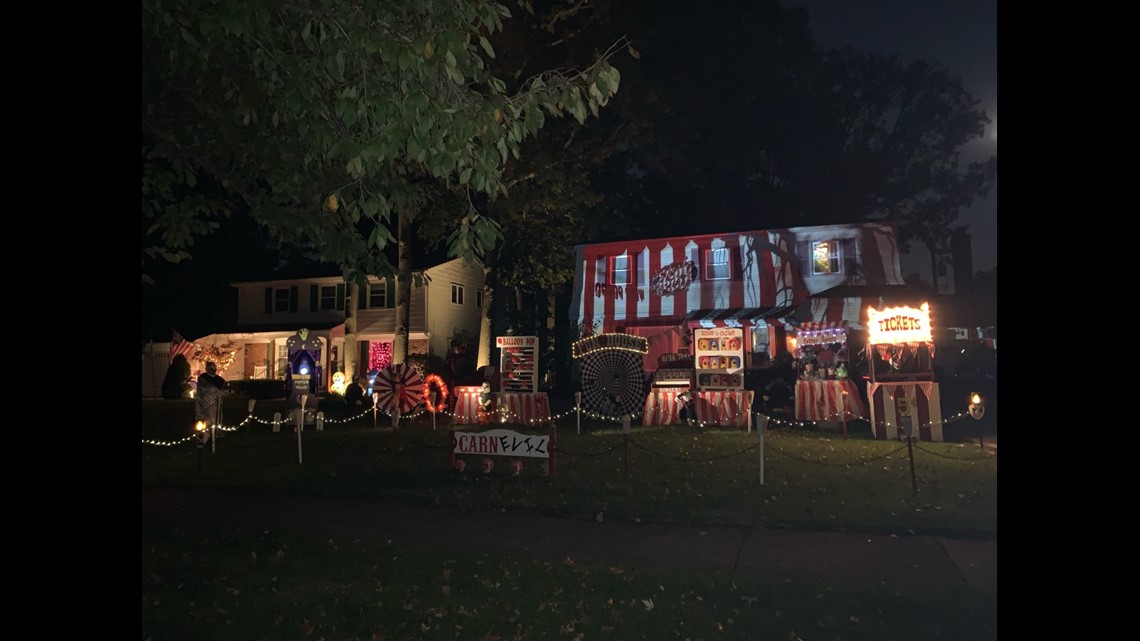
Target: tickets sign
[[895, 325]]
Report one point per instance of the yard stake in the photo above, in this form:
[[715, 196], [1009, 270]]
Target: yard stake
[[762, 426], [300, 426], [553, 462], [578, 409], [910, 454]]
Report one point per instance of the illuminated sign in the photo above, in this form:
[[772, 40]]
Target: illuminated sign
[[626, 342], [899, 325]]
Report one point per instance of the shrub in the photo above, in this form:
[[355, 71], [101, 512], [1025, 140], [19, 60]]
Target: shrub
[[258, 389], [176, 385]]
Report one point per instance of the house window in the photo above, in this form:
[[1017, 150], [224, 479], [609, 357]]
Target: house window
[[281, 300], [825, 257], [620, 271], [377, 295], [717, 265], [282, 360], [328, 297], [479, 298], [457, 294]]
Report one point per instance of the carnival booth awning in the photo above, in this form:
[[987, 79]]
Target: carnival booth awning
[[739, 316], [822, 332]]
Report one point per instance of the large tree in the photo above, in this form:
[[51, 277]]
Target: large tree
[[328, 117]]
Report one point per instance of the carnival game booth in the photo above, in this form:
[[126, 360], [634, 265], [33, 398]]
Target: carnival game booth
[[303, 373], [613, 376], [711, 382], [824, 390], [672, 380], [904, 397], [519, 400]]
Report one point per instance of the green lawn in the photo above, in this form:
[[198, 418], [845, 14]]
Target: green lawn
[[812, 480], [209, 582]]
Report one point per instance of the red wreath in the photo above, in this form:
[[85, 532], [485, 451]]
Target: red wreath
[[441, 386]]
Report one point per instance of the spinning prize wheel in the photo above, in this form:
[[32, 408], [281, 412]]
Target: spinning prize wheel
[[400, 388], [613, 382]]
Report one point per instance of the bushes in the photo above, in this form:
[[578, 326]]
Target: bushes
[[258, 389], [176, 385]]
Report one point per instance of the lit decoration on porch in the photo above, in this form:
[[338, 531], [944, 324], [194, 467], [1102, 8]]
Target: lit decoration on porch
[[440, 389], [379, 355], [895, 325], [222, 354], [598, 342], [338, 384]]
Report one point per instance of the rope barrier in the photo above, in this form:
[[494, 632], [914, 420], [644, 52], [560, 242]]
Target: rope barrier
[[859, 462], [954, 458]]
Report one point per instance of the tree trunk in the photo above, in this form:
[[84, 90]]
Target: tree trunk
[[933, 264], [350, 348], [483, 356], [403, 290]]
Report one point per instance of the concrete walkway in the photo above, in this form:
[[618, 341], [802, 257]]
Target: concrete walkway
[[909, 562]]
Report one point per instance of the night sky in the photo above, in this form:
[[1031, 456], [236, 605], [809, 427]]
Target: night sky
[[195, 298], [962, 36]]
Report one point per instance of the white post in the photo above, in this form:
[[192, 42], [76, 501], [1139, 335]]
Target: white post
[[578, 409], [300, 427], [276, 422], [762, 427], [751, 397], [213, 437]]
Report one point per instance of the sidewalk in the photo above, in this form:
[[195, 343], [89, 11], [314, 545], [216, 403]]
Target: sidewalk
[[911, 562]]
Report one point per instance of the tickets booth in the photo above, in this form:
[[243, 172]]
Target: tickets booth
[[904, 399]]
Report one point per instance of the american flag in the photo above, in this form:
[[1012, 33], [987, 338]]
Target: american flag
[[179, 345]]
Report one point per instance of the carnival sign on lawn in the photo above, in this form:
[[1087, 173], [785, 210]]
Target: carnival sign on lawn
[[502, 443], [518, 363], [720, 358]]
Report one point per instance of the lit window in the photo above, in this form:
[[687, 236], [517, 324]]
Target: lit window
[[457, 294], [619, 270], [825, 257], [281, 300], [328, 297], [377, 295], [717, 265]]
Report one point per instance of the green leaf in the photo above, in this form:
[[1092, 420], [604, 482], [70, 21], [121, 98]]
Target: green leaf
[[486, 44], [465, 176]]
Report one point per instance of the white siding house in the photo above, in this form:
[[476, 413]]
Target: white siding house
[[269, 312]]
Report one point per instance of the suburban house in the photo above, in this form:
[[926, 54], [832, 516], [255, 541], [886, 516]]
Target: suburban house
[[445, 307], [763, 281]]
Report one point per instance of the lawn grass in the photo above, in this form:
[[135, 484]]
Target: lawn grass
[[209, 582], [812, 480]]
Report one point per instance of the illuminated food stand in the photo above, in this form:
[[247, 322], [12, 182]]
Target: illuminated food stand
[[824, 391], [903, 396]]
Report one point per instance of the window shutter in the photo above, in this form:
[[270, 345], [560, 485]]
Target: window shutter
[[803, 253], [361, 297], [268, 300], [340, 297], [389, 293], [847, 257], [293, 298], [314, 297]]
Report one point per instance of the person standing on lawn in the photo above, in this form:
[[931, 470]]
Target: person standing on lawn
[[208, 400]]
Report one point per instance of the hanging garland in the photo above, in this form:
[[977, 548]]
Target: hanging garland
[[441, 389]]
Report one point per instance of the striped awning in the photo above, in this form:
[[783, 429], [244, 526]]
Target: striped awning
[[739, 317], [817, 332]]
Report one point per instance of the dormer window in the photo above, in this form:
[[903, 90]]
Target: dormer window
[[718, 264], [825, 257]]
